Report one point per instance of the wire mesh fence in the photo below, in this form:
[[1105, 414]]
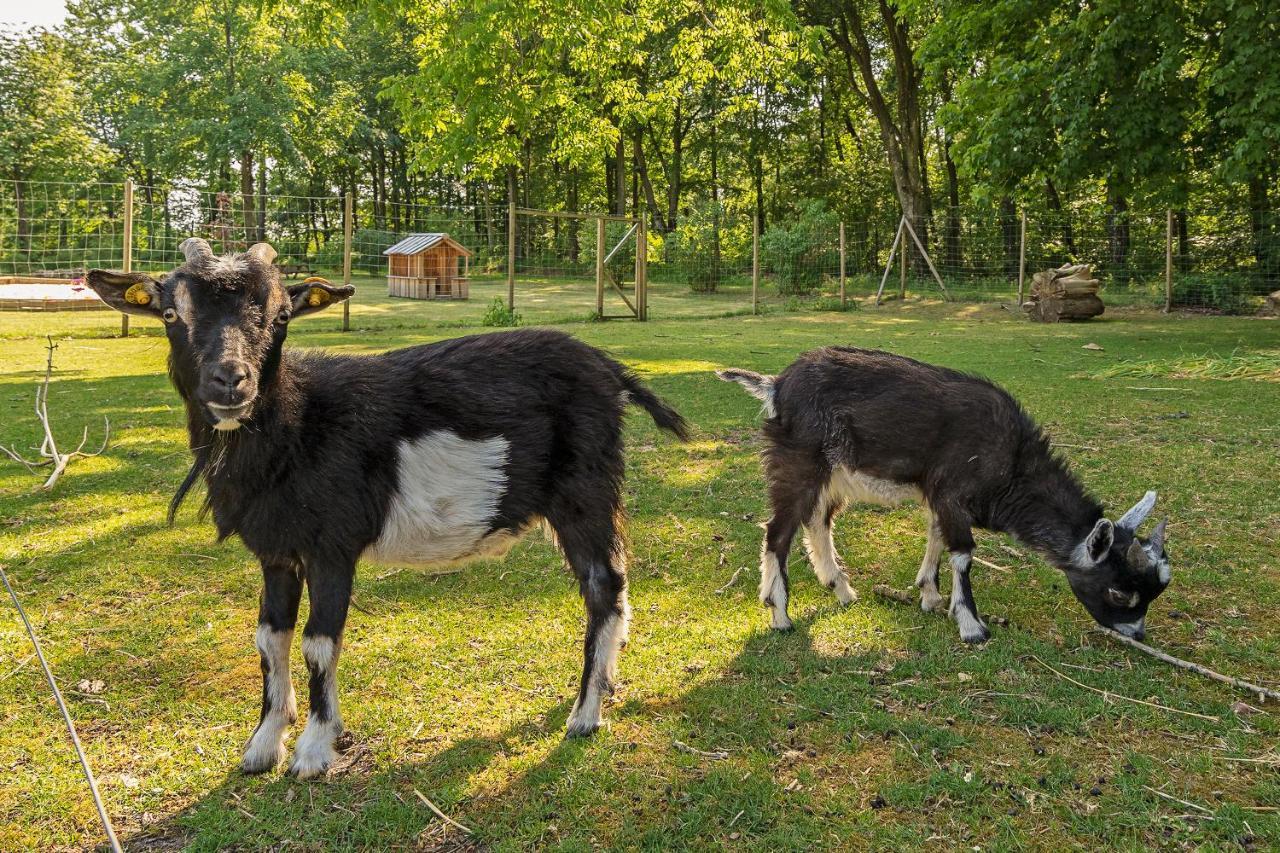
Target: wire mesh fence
[[712, 262]]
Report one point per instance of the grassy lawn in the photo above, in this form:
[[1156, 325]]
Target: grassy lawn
[[866, 726]]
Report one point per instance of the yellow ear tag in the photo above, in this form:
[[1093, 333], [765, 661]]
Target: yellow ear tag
[[317, 296], [137, 294]]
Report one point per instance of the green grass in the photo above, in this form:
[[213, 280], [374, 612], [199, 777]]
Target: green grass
[[458, 685]]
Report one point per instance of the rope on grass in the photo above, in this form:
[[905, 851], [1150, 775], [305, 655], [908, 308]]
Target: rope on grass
[[66, 716]]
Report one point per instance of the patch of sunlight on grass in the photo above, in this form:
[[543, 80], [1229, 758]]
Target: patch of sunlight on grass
[[672, 366], [860, 627], [691, 472]]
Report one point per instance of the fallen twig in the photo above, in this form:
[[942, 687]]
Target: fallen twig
[[732, 580], [714, 755], [902, 596], [1109, 695], [1176, 800], [990, 565], [1263, 693], [444, 817]]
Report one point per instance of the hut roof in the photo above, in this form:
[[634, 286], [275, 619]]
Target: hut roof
[[416, 243]]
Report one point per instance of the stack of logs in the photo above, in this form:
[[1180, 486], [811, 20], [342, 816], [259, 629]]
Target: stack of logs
[[1068, 293]]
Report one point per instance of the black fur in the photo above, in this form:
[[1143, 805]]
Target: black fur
[[972, 451], [308, 476]]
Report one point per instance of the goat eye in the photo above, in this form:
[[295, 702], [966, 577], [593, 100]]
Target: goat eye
[[1120, 598], [282, 317], [169, 315]]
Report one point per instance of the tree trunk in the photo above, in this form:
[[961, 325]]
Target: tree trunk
[[262, 200], [642, 172], [1118, 234], [1055, 204], [620, 176], [246, 193], [23, 225], [901, 125], [1261, 225], [575, 247], [675, 177], [1183, 259], [1010, 234]]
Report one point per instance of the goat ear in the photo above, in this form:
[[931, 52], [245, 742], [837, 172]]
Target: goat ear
[[1098, 543], [315, 294], [1133, 519], [130, 292]]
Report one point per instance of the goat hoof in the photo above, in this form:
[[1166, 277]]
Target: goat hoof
[[254, 763], [845, 594], [979, 635], [782, 626], [581, 728], [929, 602]]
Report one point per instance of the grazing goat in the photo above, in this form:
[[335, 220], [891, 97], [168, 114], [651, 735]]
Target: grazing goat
[[846, 424], [422, 455]]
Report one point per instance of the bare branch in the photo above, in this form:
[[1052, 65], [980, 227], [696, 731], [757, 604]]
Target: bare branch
[[50, 455]]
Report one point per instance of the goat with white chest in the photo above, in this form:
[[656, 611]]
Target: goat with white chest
[[422, 455], [845, 424]]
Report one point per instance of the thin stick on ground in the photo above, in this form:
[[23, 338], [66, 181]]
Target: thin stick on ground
[[1176, 800], [1107, 694], [50, 455], [732, 580], [1263, 693], [902, 596], [444, 817]]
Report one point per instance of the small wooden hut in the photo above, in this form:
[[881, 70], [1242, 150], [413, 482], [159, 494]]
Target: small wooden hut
[[428, 266]]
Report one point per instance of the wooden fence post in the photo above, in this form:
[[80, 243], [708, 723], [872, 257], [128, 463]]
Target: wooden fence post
[[755, 264], [600, 267], [347, 225], [1168, 261], [1022, 256], [511, 255], [642, 245], [126, 262], [842, 297]]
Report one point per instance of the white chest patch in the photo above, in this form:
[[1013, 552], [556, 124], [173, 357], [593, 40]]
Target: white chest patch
[[857, 487], [448, 493]]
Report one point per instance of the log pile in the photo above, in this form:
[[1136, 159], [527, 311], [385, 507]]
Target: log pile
[[1068, 293]]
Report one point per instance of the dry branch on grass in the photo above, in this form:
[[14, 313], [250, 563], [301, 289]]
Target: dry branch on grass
[[907, 596], [49, 453], [1263, 693]]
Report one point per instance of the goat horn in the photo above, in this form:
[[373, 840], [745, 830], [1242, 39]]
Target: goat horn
[[262, 252], [1132, 519], [193, 248], [1157, 537], [1136, 556]]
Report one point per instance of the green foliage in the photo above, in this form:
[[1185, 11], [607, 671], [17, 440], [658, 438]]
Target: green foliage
[[800, 251], [701, 247], [1225, 292], [498, 314]]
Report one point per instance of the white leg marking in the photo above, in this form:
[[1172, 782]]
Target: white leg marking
[[972, 629], [266, 748], [773, 591], [585, 716], [314, 751], [822, 555], [927, 578]]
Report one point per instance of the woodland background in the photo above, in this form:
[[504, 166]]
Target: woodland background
[[1094, 118]]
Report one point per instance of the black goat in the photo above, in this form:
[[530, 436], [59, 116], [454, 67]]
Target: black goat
[[422, 455], [847, 424]]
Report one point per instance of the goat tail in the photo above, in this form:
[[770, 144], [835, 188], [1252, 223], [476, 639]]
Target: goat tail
[[757, 384], [663, 415]]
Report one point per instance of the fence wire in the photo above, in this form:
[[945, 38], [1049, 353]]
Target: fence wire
[[1224, 260]]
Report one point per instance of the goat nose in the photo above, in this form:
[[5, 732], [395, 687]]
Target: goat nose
[[229, 375]]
